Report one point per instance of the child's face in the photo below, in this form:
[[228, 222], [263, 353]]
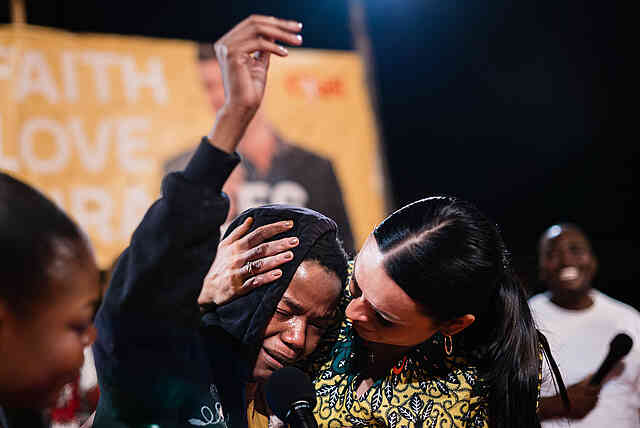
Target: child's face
[[44, 351]]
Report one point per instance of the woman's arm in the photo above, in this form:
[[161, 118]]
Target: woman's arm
[[178, 230], [148, 340]]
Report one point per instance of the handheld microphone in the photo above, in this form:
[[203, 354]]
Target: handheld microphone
[[618, 348], [291, 396]]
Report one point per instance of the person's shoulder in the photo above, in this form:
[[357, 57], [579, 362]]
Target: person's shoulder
[[540, 299], [541, 307], [463, 390], [616, 305]]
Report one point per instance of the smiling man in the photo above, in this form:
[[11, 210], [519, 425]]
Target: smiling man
[[580, 322]]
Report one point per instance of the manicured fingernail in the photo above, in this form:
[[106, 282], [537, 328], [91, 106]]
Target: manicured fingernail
[[299, 37], [289, 223], [276, 273], [300, 25], [283, 49], [288, 255], [293, 241]]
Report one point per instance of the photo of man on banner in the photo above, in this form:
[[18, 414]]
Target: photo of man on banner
[[272, 170]]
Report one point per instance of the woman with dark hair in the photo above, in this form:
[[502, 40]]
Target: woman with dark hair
[[437, 330], [438, 326], [49, 293]]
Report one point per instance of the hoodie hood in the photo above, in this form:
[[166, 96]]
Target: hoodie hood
[[246, 317]]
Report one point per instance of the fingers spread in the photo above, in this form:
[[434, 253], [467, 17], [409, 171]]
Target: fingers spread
[[262, 279], [273, 33], [283, 24], [259, 44], [252, 268], [239, 231], [265, 264], [263, 233], [258, 27], [271, 248]]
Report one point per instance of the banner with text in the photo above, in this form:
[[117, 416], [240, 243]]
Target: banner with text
[[91, 121]]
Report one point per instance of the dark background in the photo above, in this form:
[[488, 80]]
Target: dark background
[[514, 105]]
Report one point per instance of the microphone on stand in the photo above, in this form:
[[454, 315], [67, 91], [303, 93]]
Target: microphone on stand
[[618, 348], [290, 395]]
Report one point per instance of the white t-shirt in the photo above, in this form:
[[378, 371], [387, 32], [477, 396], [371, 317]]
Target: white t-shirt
[[579, 341]]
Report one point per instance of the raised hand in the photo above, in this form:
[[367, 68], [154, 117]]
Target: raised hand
[[244, 262], [243, 54]]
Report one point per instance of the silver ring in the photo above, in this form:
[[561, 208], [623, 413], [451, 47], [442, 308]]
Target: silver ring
[[250, 268]]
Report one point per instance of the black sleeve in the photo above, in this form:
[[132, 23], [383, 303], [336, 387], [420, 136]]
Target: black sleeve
[[148, 323], [180, 227]]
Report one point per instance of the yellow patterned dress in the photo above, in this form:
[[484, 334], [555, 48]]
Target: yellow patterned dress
[[424, 389]]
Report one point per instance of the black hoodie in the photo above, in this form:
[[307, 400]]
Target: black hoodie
[[159, 362]]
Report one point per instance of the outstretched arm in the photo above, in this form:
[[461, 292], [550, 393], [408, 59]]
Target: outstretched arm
[[244, 54], [148, 322], [192, 207]]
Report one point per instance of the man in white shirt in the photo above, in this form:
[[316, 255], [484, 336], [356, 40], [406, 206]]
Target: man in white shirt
[[580, 323]]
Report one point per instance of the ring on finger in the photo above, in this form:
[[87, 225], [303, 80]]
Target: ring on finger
[[252, 267]]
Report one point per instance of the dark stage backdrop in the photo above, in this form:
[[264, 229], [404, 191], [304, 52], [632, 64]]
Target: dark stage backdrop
[[514, 105]]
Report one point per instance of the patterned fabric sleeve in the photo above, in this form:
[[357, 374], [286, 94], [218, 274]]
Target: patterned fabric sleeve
[[424, 388], [416, 392]]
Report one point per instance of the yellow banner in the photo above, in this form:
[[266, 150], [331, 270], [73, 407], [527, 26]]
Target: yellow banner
[[319, 100], [91, 120]]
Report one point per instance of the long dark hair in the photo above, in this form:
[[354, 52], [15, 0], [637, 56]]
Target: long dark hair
[[31, 227], [446, 255]]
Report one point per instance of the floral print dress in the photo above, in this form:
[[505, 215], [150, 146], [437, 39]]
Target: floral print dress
[[425, 388]]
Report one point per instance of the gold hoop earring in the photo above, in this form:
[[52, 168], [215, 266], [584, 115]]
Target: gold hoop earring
[[448, 347]]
